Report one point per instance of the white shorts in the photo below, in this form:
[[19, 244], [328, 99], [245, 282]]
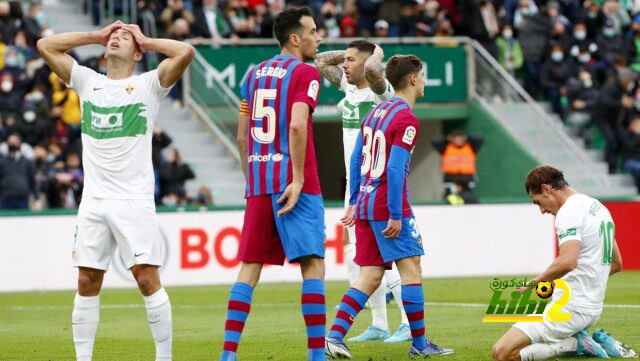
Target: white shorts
[[349, 137], [552, 332], [103, 224]]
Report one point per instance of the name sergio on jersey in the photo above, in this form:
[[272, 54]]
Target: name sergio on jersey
[[255, 157], [277, 72]]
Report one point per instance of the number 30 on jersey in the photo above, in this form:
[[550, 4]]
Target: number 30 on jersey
[[374, 152]]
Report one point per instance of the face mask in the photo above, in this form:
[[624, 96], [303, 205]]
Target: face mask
[[524, 12], [11, 61], [6, 86], [609, 32], [13, 148], [584, 58], [592, 15], [209, 8], [588, 83], [557, 56], [580, 35], [29, 116], [35, 96], [507, 34], [40, 18]]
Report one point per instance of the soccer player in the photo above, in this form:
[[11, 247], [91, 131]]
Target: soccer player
[[285, 213], [379, 207], [361, 78], [117, 208], [588, 255]]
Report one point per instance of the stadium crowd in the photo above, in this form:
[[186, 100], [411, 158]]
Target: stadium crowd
[[582, 56]]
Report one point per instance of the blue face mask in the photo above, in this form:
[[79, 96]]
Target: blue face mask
[[12, 61], [609, 32], [557, 56], [40, 18]]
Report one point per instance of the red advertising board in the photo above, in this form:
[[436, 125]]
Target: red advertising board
[[626, 216]]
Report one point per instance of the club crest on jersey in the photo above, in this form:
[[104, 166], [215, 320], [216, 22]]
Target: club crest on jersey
[[409, 134], [314, 87], [129, 88]]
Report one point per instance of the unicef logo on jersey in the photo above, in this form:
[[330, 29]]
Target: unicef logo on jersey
[[367, 189], [119, 264], [271, 157]]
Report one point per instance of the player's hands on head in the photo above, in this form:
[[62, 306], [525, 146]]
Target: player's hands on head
[[378, 51], [105, 33], [137, 35], [393, 229], [291, 194], [348, 218]]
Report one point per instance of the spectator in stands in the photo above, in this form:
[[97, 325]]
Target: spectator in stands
[[635, 42], [606, 113], [525, 10], [559, 36], [17, 180], [242, 18], [615, 13], [25, 50], [582, 96], [458, 162], [34, 22], [611, 43], [328, 18], [509, 50], [266, 25], [70, 181], [631, 150], [8, 25], [175, 10], [348, 27], [204, 197], [211, 22], [14, 82], [481, 21], [32, 128], [65, 104], [461, 193], [580, 40], [554, 75], [366, 14], [159, 141], [43, 177], [534, 36], [593, 18], [381, 29], [388, 10], [173, 174]]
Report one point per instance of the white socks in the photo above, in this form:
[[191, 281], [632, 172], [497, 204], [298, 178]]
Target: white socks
[[378, 304], [543, 351], [159, 316], [394, 282], [353, 270], [84, 322]]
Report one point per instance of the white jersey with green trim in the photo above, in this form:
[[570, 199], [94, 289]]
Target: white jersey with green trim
[[588, 221], [355, 106], [117, 127]]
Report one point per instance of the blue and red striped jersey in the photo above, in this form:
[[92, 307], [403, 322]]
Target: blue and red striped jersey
[[391, 123], [270, 89]]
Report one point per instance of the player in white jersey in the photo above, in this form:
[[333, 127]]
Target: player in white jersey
[[588, 255], [361, 78], [117, 208]]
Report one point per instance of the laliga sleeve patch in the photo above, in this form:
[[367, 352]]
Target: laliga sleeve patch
[[314, 86], [409, 134]]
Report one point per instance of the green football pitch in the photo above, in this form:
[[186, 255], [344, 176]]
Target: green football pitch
[[36, 325]]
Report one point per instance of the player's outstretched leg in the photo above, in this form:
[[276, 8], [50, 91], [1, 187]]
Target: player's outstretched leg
[[158, 306], [403, 332], [237, 311], [314, 311], [351, 304], [86, 312], [379, 329]]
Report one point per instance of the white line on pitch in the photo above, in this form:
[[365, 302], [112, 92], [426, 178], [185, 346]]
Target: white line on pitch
[[257, 305]]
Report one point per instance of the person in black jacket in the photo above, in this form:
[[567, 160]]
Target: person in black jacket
[[534, 36], [606, 112], [554, 75], [631, 150], [17, 177], [583, 96], [173, 174]]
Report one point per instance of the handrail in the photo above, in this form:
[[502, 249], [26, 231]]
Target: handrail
[[334, 41], [514, 85]]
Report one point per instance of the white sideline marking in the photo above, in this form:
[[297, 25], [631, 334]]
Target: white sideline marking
[[257, 305]]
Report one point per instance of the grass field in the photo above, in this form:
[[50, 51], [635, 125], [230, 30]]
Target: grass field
[[36, 325]]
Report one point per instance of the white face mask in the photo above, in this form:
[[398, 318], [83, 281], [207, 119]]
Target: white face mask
[[557, 56], [588, 83], [36, 96], [6, 86], [584, 58], [508, 34], [29, 116], [609, 32], [580, 35]]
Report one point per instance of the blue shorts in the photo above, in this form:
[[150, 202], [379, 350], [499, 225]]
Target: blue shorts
[[267, 238], [374, 249]]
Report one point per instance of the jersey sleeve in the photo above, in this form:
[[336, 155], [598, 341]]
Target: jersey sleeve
[[405, 131], [155, 87], [569, 223], [307, 86], [81, 77], [244, 87]]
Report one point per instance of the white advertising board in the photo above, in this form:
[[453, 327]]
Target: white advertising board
[[200, 247]]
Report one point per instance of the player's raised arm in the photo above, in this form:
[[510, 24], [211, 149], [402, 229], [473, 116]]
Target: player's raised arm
[[53, 48], [374, 72], [328, 63], [179, 54]]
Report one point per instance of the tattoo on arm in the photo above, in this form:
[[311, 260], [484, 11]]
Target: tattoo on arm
[[374, 74], [328, 64]]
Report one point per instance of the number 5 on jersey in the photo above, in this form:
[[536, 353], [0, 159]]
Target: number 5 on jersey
[[262, 111]]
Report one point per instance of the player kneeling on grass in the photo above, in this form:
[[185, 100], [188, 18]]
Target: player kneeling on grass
[[588, 256], [117, 206], [379, 206]]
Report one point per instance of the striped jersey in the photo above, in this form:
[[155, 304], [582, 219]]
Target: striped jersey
[[390, 123], [270, 90]]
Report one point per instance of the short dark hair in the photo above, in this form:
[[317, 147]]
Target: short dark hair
[[364, 46], [544, 174], [400, 67], [288, 22]]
